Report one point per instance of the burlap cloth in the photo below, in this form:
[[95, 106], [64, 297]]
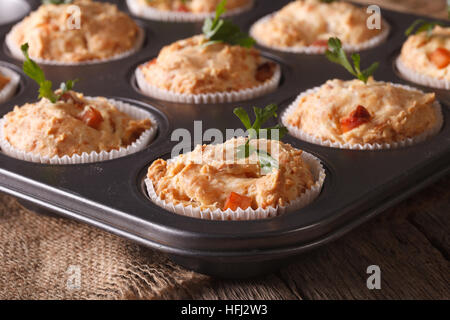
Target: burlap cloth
[[37, 251]]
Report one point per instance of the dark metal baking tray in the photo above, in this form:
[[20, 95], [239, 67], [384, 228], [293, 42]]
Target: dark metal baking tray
[[109, 195]]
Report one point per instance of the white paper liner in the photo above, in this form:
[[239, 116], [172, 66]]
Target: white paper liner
[[373, 42], [217, 97], [134, 112], [16, 52], [10, 89], [306, 198], [144, 11], [302, 135], [416, 77]]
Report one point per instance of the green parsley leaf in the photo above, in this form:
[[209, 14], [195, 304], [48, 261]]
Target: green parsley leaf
[[336, 54], [266, 161], [255, 131], [421, 25], [219, 30], [245, 150], [220, 9], [31, 69], [46, 91], [282, 131], [262, 115], [243, 116], [67, 86]]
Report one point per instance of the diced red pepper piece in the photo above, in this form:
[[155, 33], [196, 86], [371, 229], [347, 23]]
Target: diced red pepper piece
[[320, 43], [356, 118], [92, 117], [151, 62], [235, 200], [440, 58], [183, 8]]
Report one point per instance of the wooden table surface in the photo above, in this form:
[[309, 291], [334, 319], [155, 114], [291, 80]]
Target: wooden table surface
[[410, 243]]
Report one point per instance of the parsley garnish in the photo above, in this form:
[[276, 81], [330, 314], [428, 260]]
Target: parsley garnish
[[422, 25], [32, 70], [57, 1], [327, 1], [336, 54], [266, 161], [219, 30]]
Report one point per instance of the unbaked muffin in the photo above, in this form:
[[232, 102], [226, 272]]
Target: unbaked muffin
[[310, 23], [425, 58], [72, 126], [189, 68], [206, 179], [104, 33], [353, 113]]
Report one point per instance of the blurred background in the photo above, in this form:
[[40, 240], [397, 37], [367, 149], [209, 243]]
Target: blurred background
[[434, 8]]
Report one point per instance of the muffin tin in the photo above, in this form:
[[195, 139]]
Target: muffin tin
[[111, 194]]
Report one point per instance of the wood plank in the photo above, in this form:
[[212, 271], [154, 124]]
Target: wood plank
[[411, 267], [431, 215], [265, 288]]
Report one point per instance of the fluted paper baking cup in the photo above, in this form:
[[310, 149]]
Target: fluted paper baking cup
[[10, 88], [303, 200], [302, 135], [147, 12], [16, 52], [373, 42], [416, 77], [134, 112], [217, 97]]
